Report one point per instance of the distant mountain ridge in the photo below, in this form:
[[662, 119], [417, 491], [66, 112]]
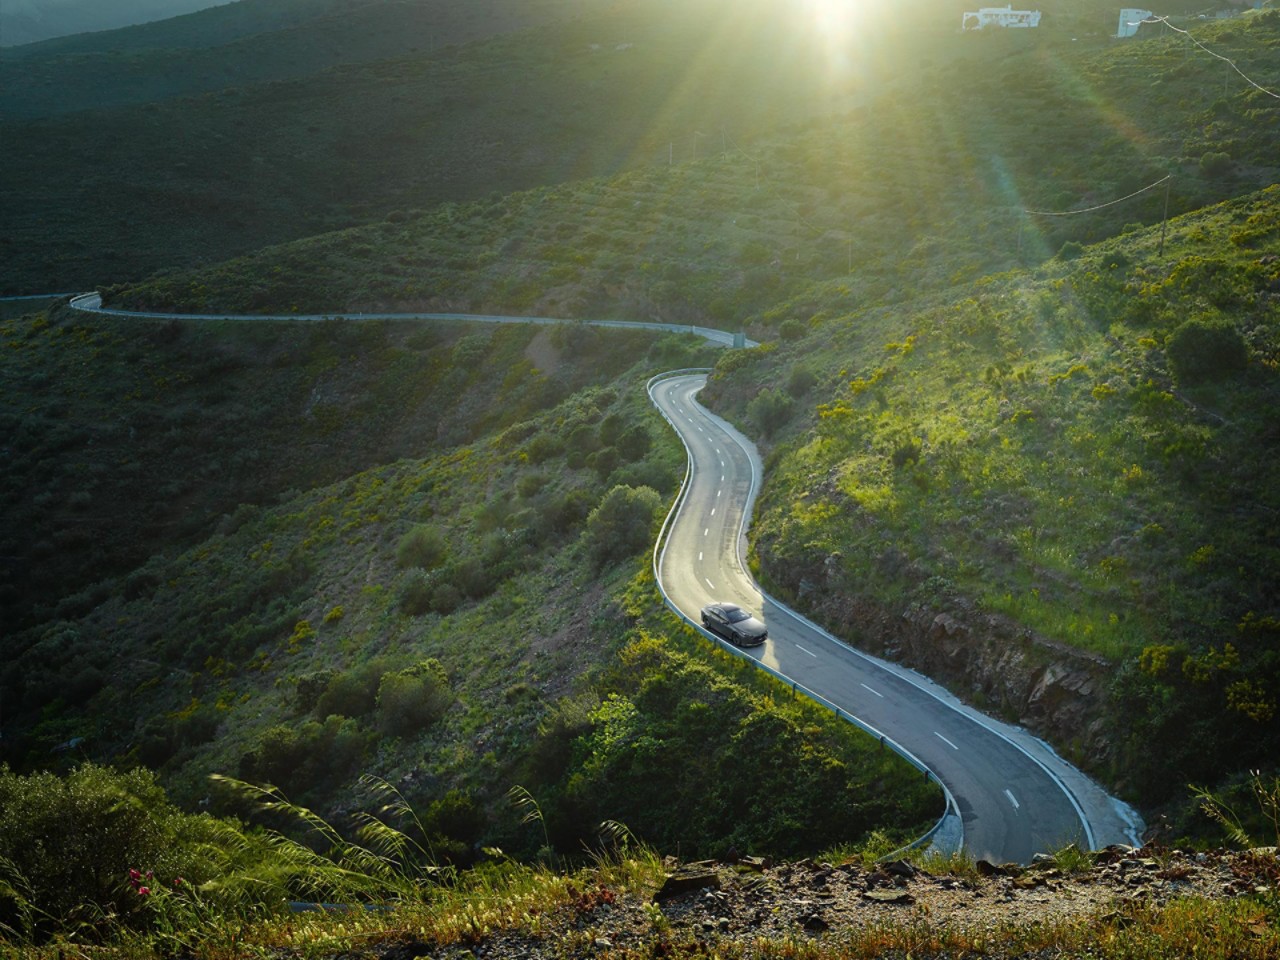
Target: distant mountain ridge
[[29, 21], [247, 43]]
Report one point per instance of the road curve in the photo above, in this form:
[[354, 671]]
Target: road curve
[[1011, 794], [1014, 797]]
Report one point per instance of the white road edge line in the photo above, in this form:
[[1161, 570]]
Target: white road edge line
[[1012, 799], [936, 734], [809, 652], [876, 692]]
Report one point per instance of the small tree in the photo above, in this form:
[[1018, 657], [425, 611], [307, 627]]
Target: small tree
[[622, 524]]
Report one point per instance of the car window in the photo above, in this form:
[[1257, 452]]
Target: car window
[[738, 615]]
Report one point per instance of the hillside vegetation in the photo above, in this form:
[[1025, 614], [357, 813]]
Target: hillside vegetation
[[458, 621], [1086, 449], [1082, 448], [628, 85], [921, 189]]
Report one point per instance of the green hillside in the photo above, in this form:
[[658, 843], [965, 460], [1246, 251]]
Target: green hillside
[[958, 437], [460, 621], [926, 187], [629, 86], [1086, 450]]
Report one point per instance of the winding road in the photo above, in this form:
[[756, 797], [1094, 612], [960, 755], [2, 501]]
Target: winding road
[[1009, 796]]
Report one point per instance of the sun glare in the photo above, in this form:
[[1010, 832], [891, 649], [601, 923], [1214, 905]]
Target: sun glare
[[834, 18], [836, 25]]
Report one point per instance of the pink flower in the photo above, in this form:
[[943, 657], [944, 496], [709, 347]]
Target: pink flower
[[135, 875], [177, 881], [143, 891], [150, 874]]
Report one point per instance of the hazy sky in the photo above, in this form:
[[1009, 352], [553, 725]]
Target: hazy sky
[[25, 21]]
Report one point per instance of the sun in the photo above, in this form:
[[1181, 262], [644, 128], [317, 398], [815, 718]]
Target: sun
[[834, 18], [838, 28]]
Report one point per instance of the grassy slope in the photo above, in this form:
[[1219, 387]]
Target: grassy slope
[[920, 190], [263, 649]]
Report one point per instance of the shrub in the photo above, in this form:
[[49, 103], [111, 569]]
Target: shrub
[[634, 443], [800, 381], [622, 524], [770, 410], [415, 594], [423, 547], [352, 693], [1215, 163], [1201, 351], [67, 846], [1071, 250], [791, 329], [411, 700]]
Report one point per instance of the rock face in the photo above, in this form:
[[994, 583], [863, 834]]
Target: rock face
[[1055, 691]]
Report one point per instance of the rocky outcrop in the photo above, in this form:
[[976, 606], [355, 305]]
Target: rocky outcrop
[[1055, 691]]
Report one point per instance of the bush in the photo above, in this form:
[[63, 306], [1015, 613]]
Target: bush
[[1071, 250], [67, 846], [792, 329], [415, 594], [423, 547], [622, 524], [411, 700], [769, 410], [352, 693], [1215, 164], [800, 381], [1201, 351]]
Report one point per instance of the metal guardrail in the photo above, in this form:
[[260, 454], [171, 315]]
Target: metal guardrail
[[711, 334], [659, 550]]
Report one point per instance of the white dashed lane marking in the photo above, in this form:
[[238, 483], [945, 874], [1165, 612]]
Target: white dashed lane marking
[[876, 692], [1012, 799], [809, 652], [935, 733], [709, 583]]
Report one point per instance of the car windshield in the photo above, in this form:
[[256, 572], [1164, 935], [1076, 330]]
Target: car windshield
[[736, 615]]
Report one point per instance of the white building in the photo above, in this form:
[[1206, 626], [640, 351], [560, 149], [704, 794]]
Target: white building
[[1000, 17], [1130, 19]]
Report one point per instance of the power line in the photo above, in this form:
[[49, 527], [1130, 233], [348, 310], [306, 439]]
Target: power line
[[1100, 206], [1227, 60]]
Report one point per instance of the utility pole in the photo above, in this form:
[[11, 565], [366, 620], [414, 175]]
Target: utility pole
[[1164, 224], [671, 153]]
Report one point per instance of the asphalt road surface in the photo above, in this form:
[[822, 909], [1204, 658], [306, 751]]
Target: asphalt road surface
[[1011, 804]]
